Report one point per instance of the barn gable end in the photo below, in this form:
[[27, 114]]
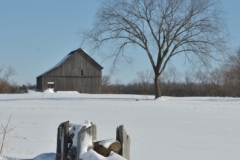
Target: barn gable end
[[76, 72]]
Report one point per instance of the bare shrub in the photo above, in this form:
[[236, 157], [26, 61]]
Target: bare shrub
[[5, 84], [5, 129], [106, 84]]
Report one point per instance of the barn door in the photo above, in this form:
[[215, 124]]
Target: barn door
[[50, 85]]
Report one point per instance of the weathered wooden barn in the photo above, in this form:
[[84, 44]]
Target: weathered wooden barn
[[76, 72]]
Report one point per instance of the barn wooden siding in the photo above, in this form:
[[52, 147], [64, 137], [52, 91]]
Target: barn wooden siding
[[78, 72]]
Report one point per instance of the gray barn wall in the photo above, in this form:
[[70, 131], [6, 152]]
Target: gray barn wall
[[67, 76], [82, 85]]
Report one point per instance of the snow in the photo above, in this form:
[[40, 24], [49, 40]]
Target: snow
[[45, 156], [59, 63], [92, 155], [165, 129], [75, 128], [88, 139], [86, 143], [87, 123], [49, 90], [67, 92], [107, 143], [85, 52]]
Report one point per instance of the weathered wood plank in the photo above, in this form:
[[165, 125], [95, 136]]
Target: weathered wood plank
[[83, 137], [124, 139], [62, 141], [94, 132]]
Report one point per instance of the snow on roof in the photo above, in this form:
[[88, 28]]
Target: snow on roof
[[85, 51], [66, 57], [58, 64], [90, 56]]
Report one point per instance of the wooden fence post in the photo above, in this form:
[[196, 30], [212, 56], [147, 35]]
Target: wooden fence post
[[94, 132], [62, 141], [82, 134], [124, 139]]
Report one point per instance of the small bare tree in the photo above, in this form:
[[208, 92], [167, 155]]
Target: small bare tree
[[162, 28]]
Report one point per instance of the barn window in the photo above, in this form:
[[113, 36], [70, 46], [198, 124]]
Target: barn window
[[81, 72]]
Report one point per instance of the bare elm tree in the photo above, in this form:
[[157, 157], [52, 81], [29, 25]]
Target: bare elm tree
[[161, 28]]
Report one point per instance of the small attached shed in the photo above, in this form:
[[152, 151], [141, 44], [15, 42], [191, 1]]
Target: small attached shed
[[75, 72]]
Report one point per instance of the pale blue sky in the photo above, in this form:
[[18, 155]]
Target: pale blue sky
[[36, 35]]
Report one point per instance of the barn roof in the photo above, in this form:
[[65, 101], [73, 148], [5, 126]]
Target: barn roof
[[67, 56]]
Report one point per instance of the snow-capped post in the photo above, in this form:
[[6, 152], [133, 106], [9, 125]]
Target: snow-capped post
[[124, 139], [62, 141], [85, 142]]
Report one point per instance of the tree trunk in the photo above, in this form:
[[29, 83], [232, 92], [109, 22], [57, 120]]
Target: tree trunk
[[157, 87]]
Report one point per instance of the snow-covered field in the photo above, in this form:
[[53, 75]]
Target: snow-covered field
[[197, 128]]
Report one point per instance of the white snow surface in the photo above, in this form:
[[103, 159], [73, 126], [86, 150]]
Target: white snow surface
[[86, 143], [49, 90], [92, 155], [107, 143], [67, 92], [167, 129]]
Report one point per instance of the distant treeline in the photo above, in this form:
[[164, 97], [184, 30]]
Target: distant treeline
[[221, 81]]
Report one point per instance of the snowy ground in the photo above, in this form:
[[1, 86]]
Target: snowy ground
[[166, 129]]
